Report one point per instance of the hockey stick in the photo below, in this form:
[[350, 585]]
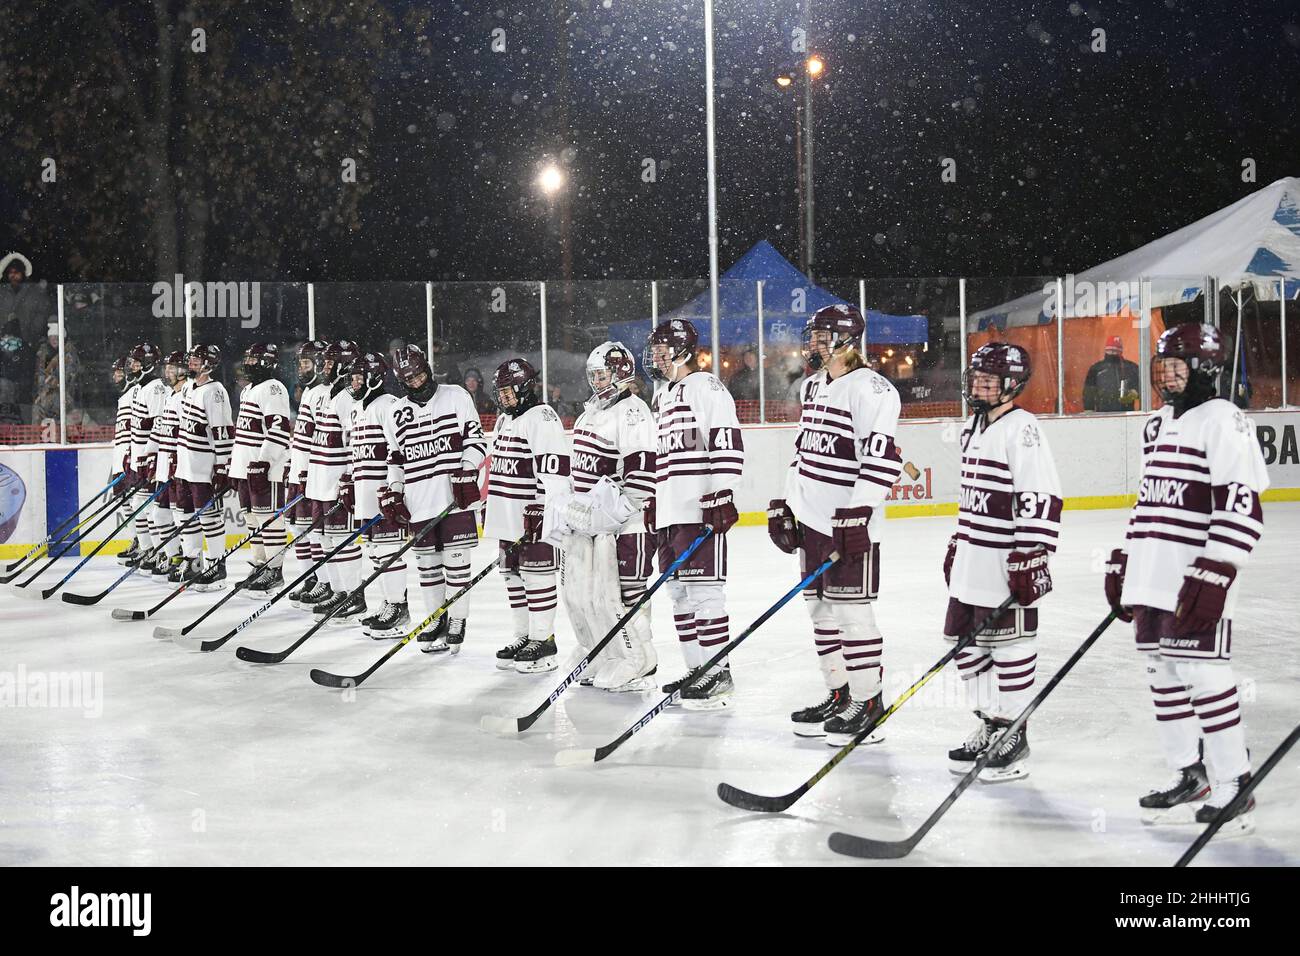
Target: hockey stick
[[326, 679], [171, 633], [580, 756], [517, 725], [754, 801], [850, 845], [57, 534], [275, 657], [85, 600], [101, 514], [1242, 796], [46, 594], [212, 645], [124, 614]]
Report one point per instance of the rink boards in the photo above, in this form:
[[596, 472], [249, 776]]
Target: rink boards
[[1097, 457]]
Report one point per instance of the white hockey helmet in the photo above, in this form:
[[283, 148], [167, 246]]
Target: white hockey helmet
[[611, 370]]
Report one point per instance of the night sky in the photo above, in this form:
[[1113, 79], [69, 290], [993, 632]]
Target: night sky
[[1065, 157]]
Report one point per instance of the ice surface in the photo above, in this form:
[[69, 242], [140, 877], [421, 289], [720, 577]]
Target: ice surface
[[202, 759]]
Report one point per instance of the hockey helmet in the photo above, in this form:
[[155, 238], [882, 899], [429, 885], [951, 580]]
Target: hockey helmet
[[830, 329], [1192, 379], [1009, 363], [521, 378], [611, 370], [676, 341]]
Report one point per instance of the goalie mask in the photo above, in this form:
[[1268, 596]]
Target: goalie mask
[[516, 386], [671, 345], [1010, 367], [1185, 369], [611, 370]]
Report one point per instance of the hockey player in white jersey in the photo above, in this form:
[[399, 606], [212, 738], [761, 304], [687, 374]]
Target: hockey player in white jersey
[[1195, 523], [435, 447], [608, 555], [846, 462], [359, 492], [258, 463], [144, 366], [127, 385], [331, 457], [1008, 522], [528, 482], [176, 374], [698, 461], [311, 360], [203, 448]]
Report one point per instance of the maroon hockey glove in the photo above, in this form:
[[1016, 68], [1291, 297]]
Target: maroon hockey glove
[[1115, 570], [392, 505], [648, 514], [782, 527], [259, 477], [719, 512], [849, 531], [302, 480], [1204, 591], [1028, 576], [220, 479], [148, 468], [464, 487], [347, 493], [948, 559], [534, 514]]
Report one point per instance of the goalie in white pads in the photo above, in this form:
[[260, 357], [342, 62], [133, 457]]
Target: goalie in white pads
[[1008, 522], [698, 461], [1195, 523], [435, 447], [258, 463], [845, 465], [608, 555], [528, 475]]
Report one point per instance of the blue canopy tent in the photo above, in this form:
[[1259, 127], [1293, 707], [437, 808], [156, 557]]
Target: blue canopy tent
[[789, 298]]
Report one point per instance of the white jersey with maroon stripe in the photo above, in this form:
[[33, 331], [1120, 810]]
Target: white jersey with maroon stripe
[[1202, 475], [428, 443], [699, 448], [149, 404], [262, 429], [330, 454], [207, 431], [166, 428], [845, 456], [618, 441], [530, 463], [122, 428], [1010, 500], [369, 452], [304, 427]]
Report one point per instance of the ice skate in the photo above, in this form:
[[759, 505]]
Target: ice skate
[[307, 587], [1011, 761], [1242, 821], [810, 721], [536, 657], [1175, 803], [132, 553], [319, 594], [709, 691], [268, 582], [350, 611], [842, 728], [392, 620], [211, 577], [436, 633], [506, 656], [456, 628], [961, 759], [675, 686], [331, 604]]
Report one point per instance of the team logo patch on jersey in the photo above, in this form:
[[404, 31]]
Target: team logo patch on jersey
[[1152, 430], [1030, 437], [879, 385], [1242, 423]]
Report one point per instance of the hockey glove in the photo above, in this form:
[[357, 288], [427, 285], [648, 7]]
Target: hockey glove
[[259, 478], [948, 559], [534, 515], [220, 479], [148, 468], [849, 531], [1115, 570], [392, 504], [648, 515], [1204, 591], [1028, 576], [718, 511], [782, 527], [464, 487], [347, 493]]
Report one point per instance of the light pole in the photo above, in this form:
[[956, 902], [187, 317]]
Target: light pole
[[813, 67], [712, 173]]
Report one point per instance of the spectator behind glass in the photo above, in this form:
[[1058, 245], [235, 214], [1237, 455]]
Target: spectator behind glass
[[474, 385], [24, 308], [45, 407], [1112, 384], [744, 384]]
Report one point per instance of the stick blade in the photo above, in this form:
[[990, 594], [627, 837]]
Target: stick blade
[[575, 757], [84, 600], [259, 657], [20, 592], [757, 802], [166, 633], [214, 643], [326, 679], [504, 726], [124, 614], [846, 844]]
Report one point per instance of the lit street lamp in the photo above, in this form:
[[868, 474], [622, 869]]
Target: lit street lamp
[[813, 67]]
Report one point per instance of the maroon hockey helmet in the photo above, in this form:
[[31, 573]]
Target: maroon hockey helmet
[[175, 366], [1203, 355], [614, 359], [682, 341], [518, 375], [147, 354], [1010, 363], [373, 369], [261, 360], [845, 326], [410, 363], [117, 372], [342, 353], [207, 356]]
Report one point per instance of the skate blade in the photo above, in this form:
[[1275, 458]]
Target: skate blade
[[631, 687], [808, 731], [1180, 815], [537, 668], [342, 621], [1238, 826], [505, 665], [435, 648], [1014, 772], [843, 740], [704, 706]]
